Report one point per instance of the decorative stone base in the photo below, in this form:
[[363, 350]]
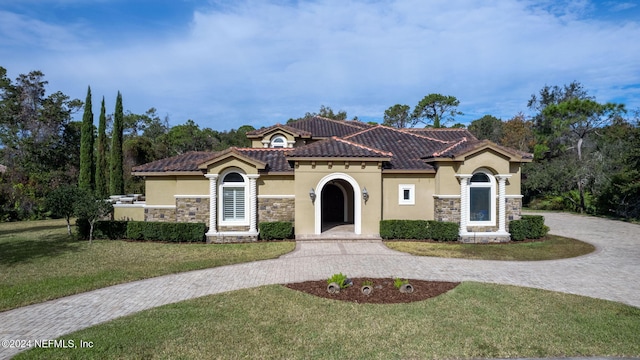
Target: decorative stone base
[[484, 238], [276, 209], [192, 210], [229, 238], [160, 214], [447, 210]]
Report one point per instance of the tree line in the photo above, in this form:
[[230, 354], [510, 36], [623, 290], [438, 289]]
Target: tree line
[[42, 148], [586, 153]]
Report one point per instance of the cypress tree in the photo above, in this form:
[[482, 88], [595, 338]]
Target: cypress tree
[[116, 184], [87, 167], [102, 189]]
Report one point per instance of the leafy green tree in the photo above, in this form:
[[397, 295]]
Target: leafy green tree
[[38, 142], [517, 133], [326, 112], [102, 187], [487, 127], [61, 202], [89, 207], [87, 167], [436, 110], [116, 183], [398, 116]]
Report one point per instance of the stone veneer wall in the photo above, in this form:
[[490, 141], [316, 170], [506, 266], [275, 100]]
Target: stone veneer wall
[[227, 239], [447, 210], [157, 214], [514, 209], [276, 209], [192, 210]]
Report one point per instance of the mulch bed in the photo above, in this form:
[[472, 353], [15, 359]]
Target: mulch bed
[[384, 291]]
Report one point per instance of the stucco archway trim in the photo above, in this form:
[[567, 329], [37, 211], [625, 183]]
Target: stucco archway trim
[[357, 202]]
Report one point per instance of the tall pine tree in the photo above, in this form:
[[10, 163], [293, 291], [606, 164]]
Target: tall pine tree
[[102, 188], [116, 184], [87, 167]]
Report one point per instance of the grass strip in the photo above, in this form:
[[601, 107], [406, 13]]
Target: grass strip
[[39, 262], [552, 247], [272, 322]]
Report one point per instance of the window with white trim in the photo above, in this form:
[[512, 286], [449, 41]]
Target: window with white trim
[[482, 199], [406, 194], [234, 200], [278, 142]]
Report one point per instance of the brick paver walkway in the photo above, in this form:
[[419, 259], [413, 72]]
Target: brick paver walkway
[[611, 273]]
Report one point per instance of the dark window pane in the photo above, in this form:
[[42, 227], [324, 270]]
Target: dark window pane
[[406, 194], [480, 204], [479, 177], [233, 177]]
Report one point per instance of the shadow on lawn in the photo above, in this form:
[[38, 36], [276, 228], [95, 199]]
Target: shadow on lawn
[[16, 252], [32, 229]]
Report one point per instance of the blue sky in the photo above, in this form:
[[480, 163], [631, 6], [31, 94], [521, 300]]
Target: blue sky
[[225, 64]]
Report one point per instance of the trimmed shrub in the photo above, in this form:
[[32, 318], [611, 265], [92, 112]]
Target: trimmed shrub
[[419, 230], [166, 231], [271, 230], [444, 230], [103, 229], [528, 227]]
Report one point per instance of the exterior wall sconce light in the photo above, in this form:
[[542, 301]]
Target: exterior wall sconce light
[[365, 194], [312, 195]]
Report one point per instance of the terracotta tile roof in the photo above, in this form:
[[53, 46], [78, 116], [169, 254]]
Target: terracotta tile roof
[[336, 147], [321, 127], [294, 131], [446, 134], [408, 149], [275, 159], [467, 145], [188, 161]]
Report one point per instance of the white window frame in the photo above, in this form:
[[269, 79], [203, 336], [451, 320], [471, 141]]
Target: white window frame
[[491, 185], [412, 194], [222, 186], [278, 137]]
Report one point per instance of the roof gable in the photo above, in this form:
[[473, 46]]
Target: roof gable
[[275, 128], [232, 153], [464, 148]]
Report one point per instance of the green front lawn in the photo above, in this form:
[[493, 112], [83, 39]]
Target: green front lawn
[[39, 262], [273, 322], [552, 247]]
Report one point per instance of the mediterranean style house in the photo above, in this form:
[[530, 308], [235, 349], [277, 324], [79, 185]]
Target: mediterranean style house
[[320, 173]]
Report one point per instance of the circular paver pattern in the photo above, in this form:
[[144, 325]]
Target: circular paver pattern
[[609, 273]]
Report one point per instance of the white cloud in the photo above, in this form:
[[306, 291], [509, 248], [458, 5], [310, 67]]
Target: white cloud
[[261, 63]]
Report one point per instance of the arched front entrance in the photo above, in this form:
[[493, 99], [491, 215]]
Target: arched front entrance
[[339, 203]]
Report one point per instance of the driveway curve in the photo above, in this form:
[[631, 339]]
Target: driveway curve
[[610, 273]]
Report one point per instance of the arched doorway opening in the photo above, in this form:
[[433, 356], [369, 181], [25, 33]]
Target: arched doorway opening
[[341, 189], [337, 205]]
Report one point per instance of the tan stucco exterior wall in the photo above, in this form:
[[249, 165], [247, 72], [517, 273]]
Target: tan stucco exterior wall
[[276, 185], [308, 177], [423, 207], [448, 184], [160, 190], [128, 212], [192, 185]]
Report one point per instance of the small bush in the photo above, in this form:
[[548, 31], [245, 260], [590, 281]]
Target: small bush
[[275, 230], [166, 231], [103, 229], [528, 227], [339, 279], [419, 230]]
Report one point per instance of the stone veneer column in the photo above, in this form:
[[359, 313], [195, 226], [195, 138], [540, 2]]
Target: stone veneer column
[[213, 186], [253, 206], [502, 211], [464, 201]]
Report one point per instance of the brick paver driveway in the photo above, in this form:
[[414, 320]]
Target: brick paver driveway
[[612, 273]]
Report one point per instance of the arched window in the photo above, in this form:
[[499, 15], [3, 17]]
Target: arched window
[[278, 142], [482, 199], [234, 200]]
